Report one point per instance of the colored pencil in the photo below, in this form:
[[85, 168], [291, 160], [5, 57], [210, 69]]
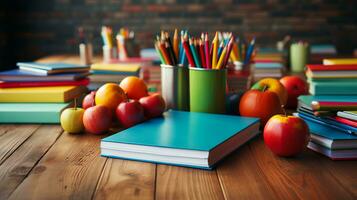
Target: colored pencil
[[187, 50], [194, 52], [221, 58], [202, 54], [207, 51], [215, 49], [160, 54], [176, 44]]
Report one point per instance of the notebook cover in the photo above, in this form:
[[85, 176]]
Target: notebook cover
[[116, 67], [4, 84], [327, 132], [307, 99], [348, 130], [333, 88], [348, 114], [184, 130], [31, 112], [52, 66], [339, 61], [346, 121], [19, 76], [319, 67], [40, 94]]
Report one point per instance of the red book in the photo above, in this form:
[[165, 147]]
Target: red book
[[346, 121], [352, 67], [4, 84]]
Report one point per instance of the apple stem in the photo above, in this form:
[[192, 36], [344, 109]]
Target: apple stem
[[75, 103], [283, 107], [265, 87]]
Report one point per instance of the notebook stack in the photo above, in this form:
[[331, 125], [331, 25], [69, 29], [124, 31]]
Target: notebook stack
[[38, 92], [268, 63], [330, 111], [102, 73], [271, 69]]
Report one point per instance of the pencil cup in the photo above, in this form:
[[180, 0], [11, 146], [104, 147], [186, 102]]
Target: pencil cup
[[175, 87], [86, 53], [299, 53], [208, 90], [109, 53]]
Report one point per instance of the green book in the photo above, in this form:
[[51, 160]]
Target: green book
[[332, 80], [189, 139], [333, 88], [48, 113]]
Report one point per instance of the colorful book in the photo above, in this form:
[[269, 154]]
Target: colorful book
[[319, 67], [51, 68], [11, 84], [329, 88], [21, 76], [328, 103], [346, 121], [120, 67], [339, 61], [56, 94], [332, 74], [189, 139], [338, 154], [352, 115], [31, 112], [329, 123]]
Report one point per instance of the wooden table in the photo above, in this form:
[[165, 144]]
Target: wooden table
[[43, 162]]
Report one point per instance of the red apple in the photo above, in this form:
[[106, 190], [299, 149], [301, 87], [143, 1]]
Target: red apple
[[261, 104], [88, 100], [286, 135], [295, 87], [97, 119], [130, 113], [154, 105]]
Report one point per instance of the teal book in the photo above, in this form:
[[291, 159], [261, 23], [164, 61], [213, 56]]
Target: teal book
[[308, 99], [47, 113], [190, 139], [333, 88], [52, 68]]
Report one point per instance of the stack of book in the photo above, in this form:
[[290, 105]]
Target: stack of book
[[332, 79], [269, 63], [38, 92], [271, 69], [330, 111], [102, 73]]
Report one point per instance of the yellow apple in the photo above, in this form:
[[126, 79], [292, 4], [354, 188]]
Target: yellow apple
[[273, 85], [72, 120]]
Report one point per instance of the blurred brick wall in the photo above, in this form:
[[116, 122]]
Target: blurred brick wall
[[40, 27]]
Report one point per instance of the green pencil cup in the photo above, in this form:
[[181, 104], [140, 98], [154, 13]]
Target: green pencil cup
[[175, 87], [208, 90]]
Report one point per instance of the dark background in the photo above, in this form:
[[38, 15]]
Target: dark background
[[34, 28]]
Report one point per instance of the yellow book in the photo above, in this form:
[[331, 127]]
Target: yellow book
[[119, 67], [56, 94], [339, 61]]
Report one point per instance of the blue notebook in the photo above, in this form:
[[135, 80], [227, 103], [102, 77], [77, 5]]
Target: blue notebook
[[19, 75], [329, 136], [190, 139], [52, 68], [269, 65]]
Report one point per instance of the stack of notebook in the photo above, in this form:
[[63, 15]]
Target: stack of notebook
[[332, 79], [271, 69], [329, 112], [38, 92], [318, 52], [269, 63], [112, 73]]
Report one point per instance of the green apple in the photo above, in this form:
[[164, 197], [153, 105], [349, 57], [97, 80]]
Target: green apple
[[72, 120]]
